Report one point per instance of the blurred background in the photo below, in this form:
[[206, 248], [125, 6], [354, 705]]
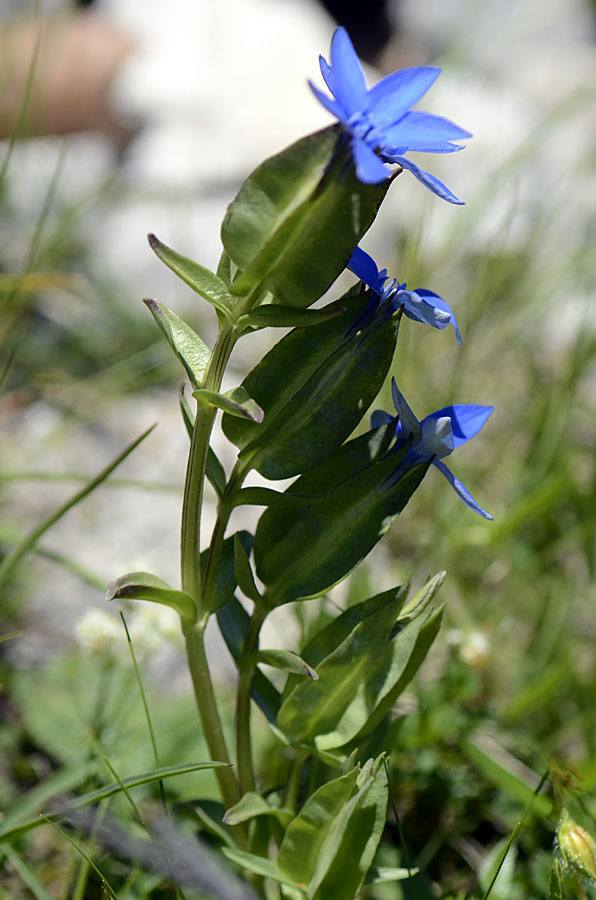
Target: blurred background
[[120, 117]]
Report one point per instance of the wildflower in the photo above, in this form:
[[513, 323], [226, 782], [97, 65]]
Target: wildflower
[[435, 437], [577, 846], [420, 305], [381, 126]]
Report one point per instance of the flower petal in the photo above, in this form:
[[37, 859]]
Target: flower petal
[[369, 168], [409, 422], [364, 266], [348, 82], [416, 307], [330, 105], [467, 419], [461, 491], [438, 302], [416, 129], [393, 95], [428, 180], [380, 417]]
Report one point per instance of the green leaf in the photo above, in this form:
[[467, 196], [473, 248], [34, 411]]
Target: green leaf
[[355, 839], [276, 316], [233, 622], [226, 270], [307, 834], [282, 229], [192, 352], [286, 660], [7, 834], [313, 708], [261, 496], [330, 845], [29, 542], [236, 402], [267, 868], [314, 387], [215, 471], [496, 872], [225, 578], [211, 287], [301, 553], [144, 586], [243, 572], [252, 805], [382, 874], [270, 195], [556, 889]]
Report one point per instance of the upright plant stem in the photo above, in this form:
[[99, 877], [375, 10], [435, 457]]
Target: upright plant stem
[[191, 568], [246, 670], [205, 697]]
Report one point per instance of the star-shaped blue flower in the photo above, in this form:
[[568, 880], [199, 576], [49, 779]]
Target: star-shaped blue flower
[[381, 126], [420, 305], [435, 437]]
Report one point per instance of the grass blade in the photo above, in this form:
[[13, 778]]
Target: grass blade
[[28, 543]]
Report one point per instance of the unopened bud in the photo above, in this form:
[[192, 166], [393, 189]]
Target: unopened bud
[[577, 846]]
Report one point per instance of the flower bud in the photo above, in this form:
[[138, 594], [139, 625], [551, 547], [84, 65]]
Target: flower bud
[[577, 846]]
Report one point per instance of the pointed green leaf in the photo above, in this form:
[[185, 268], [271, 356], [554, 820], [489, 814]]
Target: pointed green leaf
[[233, 621], [8, 834], [286, 660], [314, 387], [282, 229], [382, 874], [301, 553], [355, 838], [186, 344], [276, 316], [226, 269], [236, 402], [260, 496], [205, 283], [243, 572], [215, 471], [252, 805], [313, 708], [556, 889], [273, 192], [307, 834], [267, 868], [225, 582], [144, 586]]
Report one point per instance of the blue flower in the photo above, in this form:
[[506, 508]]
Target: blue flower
[[381, 126], [420, 305], [435, 437]]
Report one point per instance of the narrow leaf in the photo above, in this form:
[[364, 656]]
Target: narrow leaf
[[252, 805], [260, 865], [236, 402], [192, 352], [243, 571], [286, 660], [28, 543], [276, 316], [209, 286], [144, 586], [261, 496], [233, 622], [382, 874], [556, 889], [215, 471]]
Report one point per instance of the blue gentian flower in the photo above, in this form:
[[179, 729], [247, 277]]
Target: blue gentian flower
[[420, 305], [435, 437], [381, 126]]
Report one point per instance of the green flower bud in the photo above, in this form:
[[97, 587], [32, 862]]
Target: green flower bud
[[577, 846]]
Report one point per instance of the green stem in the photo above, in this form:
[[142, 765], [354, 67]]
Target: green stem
[[293, 784], [219, 529], [205, 697], [246, 669], [195, 470]]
